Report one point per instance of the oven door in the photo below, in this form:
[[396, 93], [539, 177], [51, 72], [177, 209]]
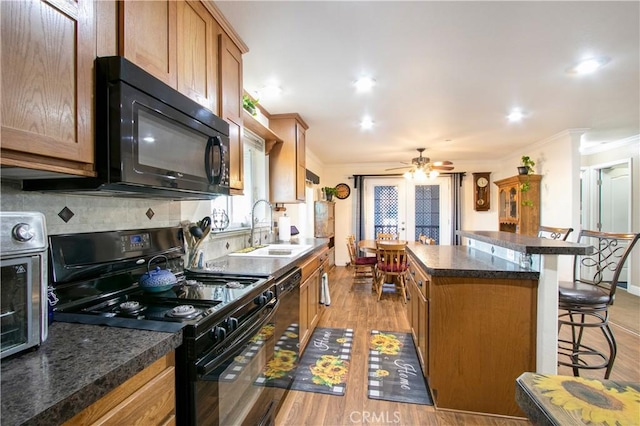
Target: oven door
[[22, 319], [228, 388]]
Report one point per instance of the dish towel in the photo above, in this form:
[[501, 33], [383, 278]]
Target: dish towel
[[325, 297]]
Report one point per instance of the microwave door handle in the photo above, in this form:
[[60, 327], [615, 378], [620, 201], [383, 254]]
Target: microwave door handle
[[213, 141]]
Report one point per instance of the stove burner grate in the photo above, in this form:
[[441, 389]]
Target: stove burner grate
[[183, 311]]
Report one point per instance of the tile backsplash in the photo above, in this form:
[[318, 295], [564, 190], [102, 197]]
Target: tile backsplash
[[99, 213]]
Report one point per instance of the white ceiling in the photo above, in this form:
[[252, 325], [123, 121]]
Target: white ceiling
[[447, 73]]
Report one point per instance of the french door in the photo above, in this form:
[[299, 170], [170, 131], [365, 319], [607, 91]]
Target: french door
[[408, 208]]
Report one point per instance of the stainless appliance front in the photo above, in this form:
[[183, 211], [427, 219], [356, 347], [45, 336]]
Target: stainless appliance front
[[23, 284]]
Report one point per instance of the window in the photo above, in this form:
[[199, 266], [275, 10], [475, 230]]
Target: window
[[238, 207]]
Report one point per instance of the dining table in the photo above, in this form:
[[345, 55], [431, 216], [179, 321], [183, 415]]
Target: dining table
[[370, 246]]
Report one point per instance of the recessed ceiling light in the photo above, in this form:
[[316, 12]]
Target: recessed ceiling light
[[366, 123], [271, 90], [515, 115], [589, 65], [364, 84]]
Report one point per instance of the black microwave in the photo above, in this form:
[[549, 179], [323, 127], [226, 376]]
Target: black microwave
[[151, 140]]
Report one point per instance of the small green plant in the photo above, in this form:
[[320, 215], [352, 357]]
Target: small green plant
[[528, 163], [249, 104], [524, 188], [329, 192]]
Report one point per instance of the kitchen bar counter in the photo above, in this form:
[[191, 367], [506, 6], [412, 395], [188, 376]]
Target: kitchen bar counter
[[464, 261], [77, 365], [541, 255]]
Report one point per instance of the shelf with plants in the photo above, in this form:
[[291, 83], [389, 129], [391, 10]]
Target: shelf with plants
[[250, 110]]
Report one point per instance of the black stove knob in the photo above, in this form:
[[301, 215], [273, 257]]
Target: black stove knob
[[260, 300], [218, 334], [269, 294], [231, 324]]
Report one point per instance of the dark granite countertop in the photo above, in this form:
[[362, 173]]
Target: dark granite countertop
[[77, 365], [263, 266], [527, 244], [464, 261]]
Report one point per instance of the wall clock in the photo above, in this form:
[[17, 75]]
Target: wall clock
[[481, 191], [343, 191]]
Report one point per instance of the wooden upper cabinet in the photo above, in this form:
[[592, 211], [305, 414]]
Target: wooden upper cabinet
[[197, 53], [287, 164], [519, 204], [231, 107], [47, 54], [147, 37]]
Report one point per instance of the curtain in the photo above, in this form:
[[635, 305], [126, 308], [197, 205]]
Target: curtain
[[456, 208], [358, 186]]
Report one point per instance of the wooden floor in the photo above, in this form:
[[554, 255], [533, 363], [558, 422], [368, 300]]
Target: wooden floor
[[356, 307]]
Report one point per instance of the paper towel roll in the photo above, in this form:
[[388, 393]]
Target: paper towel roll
[[284, 228]]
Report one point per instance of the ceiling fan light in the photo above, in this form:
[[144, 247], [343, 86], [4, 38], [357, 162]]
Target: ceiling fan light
[[420, 175], [408, 174], [433, 174]]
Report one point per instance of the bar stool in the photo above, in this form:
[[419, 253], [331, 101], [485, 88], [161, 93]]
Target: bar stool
[[554, 233], [584, 303]]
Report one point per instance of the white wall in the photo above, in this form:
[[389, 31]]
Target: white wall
[[624, 150]]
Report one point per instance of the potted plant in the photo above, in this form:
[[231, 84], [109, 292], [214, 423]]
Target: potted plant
[[527, 166], [249, 104], [329, 192]]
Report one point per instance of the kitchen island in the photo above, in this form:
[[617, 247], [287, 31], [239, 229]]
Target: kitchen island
[[475, 319]]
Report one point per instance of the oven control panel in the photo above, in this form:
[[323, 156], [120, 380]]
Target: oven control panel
[[135, 242]]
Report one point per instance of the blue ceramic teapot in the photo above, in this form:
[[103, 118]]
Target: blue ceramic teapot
[[157, 280]]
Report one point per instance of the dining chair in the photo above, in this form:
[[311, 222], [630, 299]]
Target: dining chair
[[584, 303], [363, 267], [423, 239], [386, 236], [554, 233], [392, 263]]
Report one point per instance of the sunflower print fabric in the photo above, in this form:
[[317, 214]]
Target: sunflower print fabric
[[387, 344], [591, 400], [282, 362], [329, 370]]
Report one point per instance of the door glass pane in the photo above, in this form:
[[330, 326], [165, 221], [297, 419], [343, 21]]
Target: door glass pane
[[427, 212], [385, 210]]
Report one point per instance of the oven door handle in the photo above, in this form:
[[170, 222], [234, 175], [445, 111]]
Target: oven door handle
[[205, 366]]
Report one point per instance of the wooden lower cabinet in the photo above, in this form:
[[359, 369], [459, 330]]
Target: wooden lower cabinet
[[474, 337], [310, 309], [147, 398], [418, 308]]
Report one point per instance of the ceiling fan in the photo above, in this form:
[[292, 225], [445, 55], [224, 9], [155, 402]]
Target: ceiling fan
[[423, 166]]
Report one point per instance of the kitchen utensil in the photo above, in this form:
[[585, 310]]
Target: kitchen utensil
[[158, 280], [196, 232], [205, 223], [194, 258]]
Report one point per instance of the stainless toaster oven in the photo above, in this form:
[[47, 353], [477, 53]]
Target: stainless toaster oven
[[23, 284]]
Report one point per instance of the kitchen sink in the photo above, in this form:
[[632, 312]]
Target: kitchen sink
[[273, 250]]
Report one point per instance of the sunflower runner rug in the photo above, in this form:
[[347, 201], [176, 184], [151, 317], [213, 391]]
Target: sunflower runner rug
[[324, 366], [394, 369]]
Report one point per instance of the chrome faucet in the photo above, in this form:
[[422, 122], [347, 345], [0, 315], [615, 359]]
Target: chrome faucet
[[253, 219]]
